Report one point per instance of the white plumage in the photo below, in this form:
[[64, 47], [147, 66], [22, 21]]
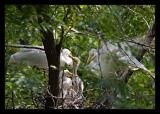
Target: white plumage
[[67, 82], [110, 57], [65, 57], [78, 85], [134, 64], [36, 57], [104, 62], [93, 62]]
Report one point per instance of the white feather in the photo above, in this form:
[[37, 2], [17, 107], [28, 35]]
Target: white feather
[[36, 57]]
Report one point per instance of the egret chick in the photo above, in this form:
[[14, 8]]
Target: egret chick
[[78, 85], [65, 77]]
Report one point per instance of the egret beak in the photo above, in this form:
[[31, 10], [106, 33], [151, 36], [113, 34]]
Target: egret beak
[[70, 56], [69, 74], [73, 58], [90, 58]]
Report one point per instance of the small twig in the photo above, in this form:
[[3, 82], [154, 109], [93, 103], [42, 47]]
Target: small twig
[[140, 15], [13, 100], [84, 33], [34, 103], [149, 37], [135, 63], [128, 56], [62, 89], [51, 96], [99, 58], [137, 43]]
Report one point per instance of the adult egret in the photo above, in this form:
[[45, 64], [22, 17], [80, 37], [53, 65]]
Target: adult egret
[[133, 63], [112, 58], [103, 63], [93, 59], [37, 58]]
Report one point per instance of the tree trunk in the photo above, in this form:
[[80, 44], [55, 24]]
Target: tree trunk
[[53, 57]]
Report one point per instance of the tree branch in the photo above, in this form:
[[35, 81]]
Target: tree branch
[[62, 36], [24, 46], [138, 43], [140, 15], [62, 27], [149, 37]]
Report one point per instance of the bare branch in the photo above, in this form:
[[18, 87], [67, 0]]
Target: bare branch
[[131, 41], [128, 56], [56, 96], [149, 37], [62, 88], [152, 76], [34, 103], [62, 27], [122, 39], [24, 46]]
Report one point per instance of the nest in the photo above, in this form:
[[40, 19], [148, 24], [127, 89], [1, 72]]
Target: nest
[[71, 101]]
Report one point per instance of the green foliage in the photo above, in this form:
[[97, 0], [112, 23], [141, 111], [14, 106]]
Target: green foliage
[[141, 93], [22, 83], [111, 21]]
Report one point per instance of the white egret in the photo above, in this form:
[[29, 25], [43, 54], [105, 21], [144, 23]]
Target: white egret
[[66, 86], [37, 58], [134, 64], [78, 85], [65, 57], [104, 63], [93, 59], [110, 55]]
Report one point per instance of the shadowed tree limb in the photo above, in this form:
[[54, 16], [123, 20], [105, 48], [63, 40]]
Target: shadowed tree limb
[[52, 54], [105, 101], [24, 46], [53, 57], [52, 51], [149, 37]]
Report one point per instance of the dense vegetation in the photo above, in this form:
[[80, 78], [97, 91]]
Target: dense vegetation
[[25, 86]]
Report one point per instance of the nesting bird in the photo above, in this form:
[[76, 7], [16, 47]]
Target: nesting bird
[[70, 85], [65, 82], [78, 85], [112, 57], [37, 58]]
